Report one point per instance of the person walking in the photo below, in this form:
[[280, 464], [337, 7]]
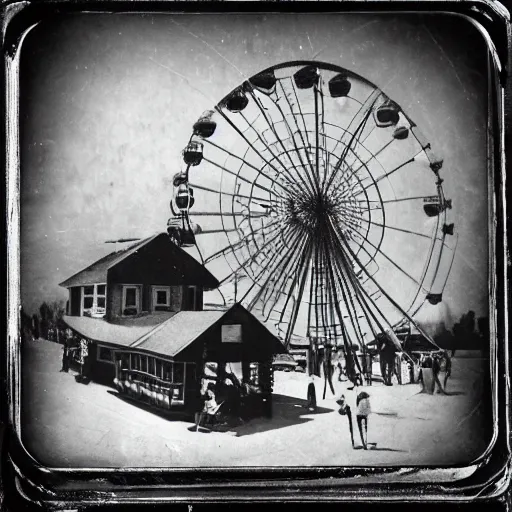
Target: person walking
[[363, 411], [447, 368], [345, 410]]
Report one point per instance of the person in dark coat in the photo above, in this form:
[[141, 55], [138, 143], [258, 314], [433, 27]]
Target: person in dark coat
[[447, 368], [65, 357], [311, 397]]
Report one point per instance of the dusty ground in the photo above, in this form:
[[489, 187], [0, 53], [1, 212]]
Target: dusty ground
[[69, 424]]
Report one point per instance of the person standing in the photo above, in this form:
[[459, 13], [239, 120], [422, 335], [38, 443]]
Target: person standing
[[447, 368], [210, 404], [65, 357], [436, 370], [311, 397]]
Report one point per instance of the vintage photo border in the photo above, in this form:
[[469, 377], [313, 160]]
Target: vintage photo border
[[25, 481]]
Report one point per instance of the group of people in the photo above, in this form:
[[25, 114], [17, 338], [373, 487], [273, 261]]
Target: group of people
[[362, 411], [230, 393], [67, 357], [439, 363]]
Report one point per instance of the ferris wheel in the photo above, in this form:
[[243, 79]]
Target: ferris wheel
[[321, 205]]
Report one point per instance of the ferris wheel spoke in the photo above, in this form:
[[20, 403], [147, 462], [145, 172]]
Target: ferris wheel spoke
[[402, 230], [277, 267], [401, 269], [346, 293], [353, 227], [389, 173], [369, 103], [257, 169], [324, 139], [284, 237], [238, 176], [304, 145], [328, 321], [365, 299], [292, 137], [363, 110], [349, 183], [300, 275], [274, 156], [426, 266], [251, 145], [402, 199], [261, 250], [346, 149], [368, 134], [231, 194], [345, 335], [301, 114], [300, 263], [317, 137], [375, 155], [296, 305], [279, 140], [239, 243], [346, 248], [253, 215], [367, 199]]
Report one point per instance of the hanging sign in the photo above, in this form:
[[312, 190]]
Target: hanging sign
[[231, 333]]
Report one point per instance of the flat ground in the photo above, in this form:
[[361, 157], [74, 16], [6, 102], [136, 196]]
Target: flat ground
[[67, 424]]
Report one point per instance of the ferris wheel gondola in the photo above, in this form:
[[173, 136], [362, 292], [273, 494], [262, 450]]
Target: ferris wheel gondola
[[329, 203]]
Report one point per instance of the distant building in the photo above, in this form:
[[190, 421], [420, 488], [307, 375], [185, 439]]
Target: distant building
[[140, 313]]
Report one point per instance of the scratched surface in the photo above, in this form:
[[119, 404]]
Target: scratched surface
[[108, 103]]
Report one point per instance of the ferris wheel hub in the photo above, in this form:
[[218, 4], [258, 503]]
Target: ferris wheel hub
[[311, 211]]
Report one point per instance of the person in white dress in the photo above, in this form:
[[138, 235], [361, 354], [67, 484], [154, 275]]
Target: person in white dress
[[356, 402], [210, 405]]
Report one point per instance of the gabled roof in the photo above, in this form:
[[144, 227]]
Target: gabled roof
[[123, 334], [167, 338], [97, 272], [186, 267], [179, 332]]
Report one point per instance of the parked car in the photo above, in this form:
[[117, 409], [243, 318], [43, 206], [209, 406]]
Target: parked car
[[284, 362]]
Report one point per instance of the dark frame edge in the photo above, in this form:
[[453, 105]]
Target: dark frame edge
[[32, 484]]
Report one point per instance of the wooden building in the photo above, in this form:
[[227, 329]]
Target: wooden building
[[151, 276], [140, 312]]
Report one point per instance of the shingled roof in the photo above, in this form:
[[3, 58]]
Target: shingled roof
[[98, 271], [121, 334], [167, 338]]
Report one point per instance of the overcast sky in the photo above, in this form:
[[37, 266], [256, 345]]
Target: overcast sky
[[108, 103]]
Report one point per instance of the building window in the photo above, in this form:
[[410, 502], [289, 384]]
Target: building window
[[105, 355], [94, 300], [161, 298], [131, 300]]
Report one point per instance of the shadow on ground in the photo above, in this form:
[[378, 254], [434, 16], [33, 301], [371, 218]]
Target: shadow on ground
[[162, 413], [286, 412]]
